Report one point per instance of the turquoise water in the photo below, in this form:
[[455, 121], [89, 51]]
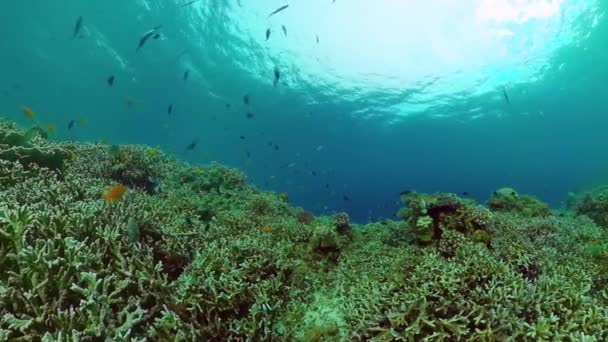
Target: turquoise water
[[374, 97]]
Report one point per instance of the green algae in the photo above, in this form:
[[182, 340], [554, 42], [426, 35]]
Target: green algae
[[189, 261]]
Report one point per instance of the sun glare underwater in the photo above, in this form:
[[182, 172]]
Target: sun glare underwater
[[342, 105]]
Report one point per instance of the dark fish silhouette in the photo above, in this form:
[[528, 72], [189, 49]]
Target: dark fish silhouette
[[188, 3], [242, 137], [505, 95], [277, 76], [78, 26], [317, 39], [152, 33], [278, 10], [71, 124], [267, 34], [170, 109], [192, 145], [346, 198], [111, 80], [249, 115], [405, 192], [186, 74], [465, 193], [246, 99], [276, 147], [284, 30], [228, 105]]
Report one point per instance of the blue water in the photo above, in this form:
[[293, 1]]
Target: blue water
[[372, 109]]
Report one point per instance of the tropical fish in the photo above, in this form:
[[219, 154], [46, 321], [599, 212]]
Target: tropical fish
[[267, 34], [83, 121], [152, 33], [111, 80], [188, 3], [505, 95], [51, 128], [28, 112], [186, 74], [284, 7], [277, 76], [192, 145], [284, 196], [71, 124], [114, 193], [170, 109], [284, 30], [78, 26], [266, 229], [197, 169], [246, 99]]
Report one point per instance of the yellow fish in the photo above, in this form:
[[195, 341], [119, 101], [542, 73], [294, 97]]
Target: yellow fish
[[51, 128], [83, 121], [197, 169], [28, 112], [284, 196], [266, 229]]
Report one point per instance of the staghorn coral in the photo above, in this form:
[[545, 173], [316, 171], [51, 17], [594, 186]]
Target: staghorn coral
[[508, 200], [190, 263]]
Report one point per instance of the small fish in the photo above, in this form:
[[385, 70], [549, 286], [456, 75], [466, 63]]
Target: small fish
[[228, 105], [277, 76], [197, 170], [71, 124], [284, 196], [188, 3], [242, 137], [266, 229], [186, 74], [284, 30], [192, 145], [248, 154], [246, 99], [284, 7], [290, 165], [27, 111], [148, 35], [51, 128], [346, 198], [83, 121], [111, 80], [317, 39], [114, 193], [276, 147], [267, 34], [249, 115], [505, 95], [320, 148], [170, 109], [313, 173], [465, 193], [78, 26], [326, 186]]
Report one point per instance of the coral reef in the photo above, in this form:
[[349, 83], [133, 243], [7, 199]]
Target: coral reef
[[190, 261], [593, 204], [508, 200]]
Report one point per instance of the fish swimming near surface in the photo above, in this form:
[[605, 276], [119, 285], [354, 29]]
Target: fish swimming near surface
[[78, 27], [71, 124], [277, 76], [170, 109], [192, 145], [505, 95], [110, 80], [246, 99], [267, 34], [188, 3], [282, 8], [284, 30], [317, 39], [186, 74], [152, 33]]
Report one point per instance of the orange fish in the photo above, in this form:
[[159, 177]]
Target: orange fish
[[114, 193], [28, 112], [266, 229]]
